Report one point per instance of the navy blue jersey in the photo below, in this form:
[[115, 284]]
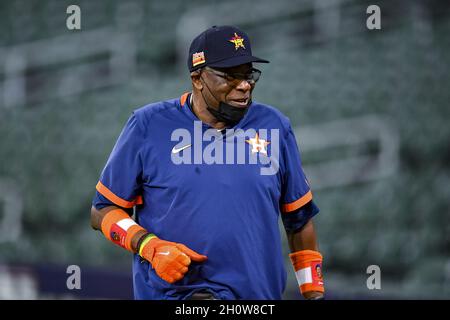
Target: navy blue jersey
[[218, 192]]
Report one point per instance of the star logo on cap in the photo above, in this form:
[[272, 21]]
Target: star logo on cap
[[238, 41]]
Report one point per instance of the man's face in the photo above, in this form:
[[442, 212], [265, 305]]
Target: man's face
[[319, 271], [224, 87]]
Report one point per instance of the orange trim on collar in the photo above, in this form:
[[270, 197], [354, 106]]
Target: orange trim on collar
[[289, 207], [184, 98], [108, 194]]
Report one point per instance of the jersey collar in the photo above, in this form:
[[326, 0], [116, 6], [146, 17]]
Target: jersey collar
[[184, 101]]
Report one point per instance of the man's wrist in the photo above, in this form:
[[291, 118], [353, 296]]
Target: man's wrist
[[137, 241], [143, 241]]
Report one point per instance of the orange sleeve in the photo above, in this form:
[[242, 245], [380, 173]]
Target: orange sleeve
[[108, 194], [292, 206]]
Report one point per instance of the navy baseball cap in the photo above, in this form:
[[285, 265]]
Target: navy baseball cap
[[221, 47]]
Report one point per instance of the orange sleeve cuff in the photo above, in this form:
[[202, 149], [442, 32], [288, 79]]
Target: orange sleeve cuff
[[108, 194], [292, 206]]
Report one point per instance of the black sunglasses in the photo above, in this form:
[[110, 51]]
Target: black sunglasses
[[235, 78]]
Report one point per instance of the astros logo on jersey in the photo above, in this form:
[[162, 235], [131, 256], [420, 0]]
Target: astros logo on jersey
[[259, 145], [237, 41]]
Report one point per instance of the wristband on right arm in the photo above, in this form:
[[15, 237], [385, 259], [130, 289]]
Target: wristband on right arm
[[169, 259], [119, 228]]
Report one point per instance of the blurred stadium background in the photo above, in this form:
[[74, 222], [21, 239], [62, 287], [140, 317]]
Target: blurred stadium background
[[371, 110]]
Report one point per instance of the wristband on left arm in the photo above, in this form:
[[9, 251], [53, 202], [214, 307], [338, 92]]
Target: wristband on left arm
[[308, 270]]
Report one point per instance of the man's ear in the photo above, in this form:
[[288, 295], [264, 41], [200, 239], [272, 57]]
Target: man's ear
[[196, 82]]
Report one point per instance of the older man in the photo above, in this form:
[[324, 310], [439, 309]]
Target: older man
[[209, 175]]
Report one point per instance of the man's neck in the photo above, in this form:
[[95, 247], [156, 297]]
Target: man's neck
[[199, 108]]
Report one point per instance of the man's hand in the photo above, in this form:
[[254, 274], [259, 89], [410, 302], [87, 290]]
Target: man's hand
[[169, 259]]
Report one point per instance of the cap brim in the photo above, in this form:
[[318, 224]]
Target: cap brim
[[236, 61]]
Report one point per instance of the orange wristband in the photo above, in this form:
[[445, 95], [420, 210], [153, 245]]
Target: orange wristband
[[119, 228], [308, 270]]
